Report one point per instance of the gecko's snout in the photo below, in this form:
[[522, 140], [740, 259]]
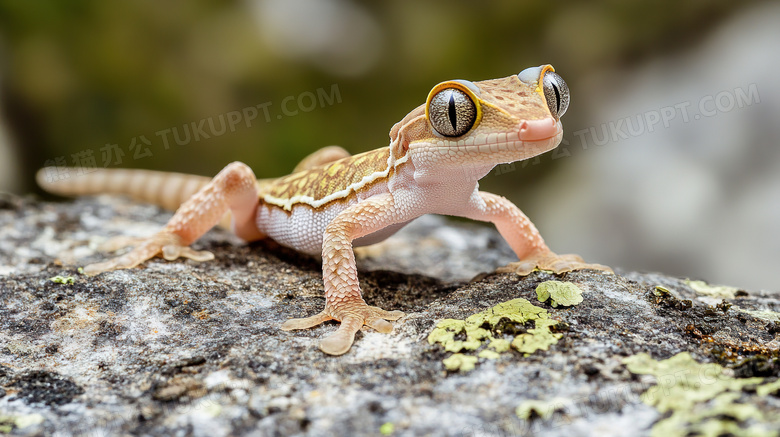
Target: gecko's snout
[[535, 130]]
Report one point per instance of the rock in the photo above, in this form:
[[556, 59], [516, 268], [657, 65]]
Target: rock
[[195, 348]]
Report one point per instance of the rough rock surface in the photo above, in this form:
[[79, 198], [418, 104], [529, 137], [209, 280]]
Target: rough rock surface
[[185, 348]]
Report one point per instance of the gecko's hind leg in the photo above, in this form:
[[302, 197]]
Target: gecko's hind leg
[[320, 157], [233, 189]]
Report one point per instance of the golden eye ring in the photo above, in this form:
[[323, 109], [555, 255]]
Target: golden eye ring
[[453, 108]]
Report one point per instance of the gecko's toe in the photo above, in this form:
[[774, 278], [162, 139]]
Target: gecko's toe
[[341, 341], [163, 242], [379, 313], [553, 262], [122, 262], [119, 242], [352, 319], [305, 322], [173, 251], [380, 325]]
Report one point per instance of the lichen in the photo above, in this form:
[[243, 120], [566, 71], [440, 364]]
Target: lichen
[[7, 423], [716, 291], [387, 428], [768, 388], [63, 279], [460, 362], [661, 291], [488, 354], [485, 329], [539, 338], [499, 345], [543, 409], [769, 316], [559, 293], [700, 399]]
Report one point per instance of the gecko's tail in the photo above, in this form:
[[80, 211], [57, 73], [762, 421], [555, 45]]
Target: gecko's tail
[[164, 189]]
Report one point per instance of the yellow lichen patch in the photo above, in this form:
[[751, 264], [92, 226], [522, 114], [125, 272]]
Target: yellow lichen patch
[[488, 354], [387, 428], [769, 316], [559, 293], [701, 399], [485, 329], [63, 280], [8, 423], [716, 291], [499, 345], [543, 409], [460, 362], [536, 339], [768, 388]]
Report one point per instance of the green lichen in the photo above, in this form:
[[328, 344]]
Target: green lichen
[[535, 339], [768, 388], [460, 362], [543, 409], [387, 428], [769, 316], [488, 354], [499, 345], [660, 291], [716, 291], [700, 399], [559, 293], [7, 423], [483, 331], [63, 279]]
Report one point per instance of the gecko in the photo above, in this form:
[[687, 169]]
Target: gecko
[[333, 201]]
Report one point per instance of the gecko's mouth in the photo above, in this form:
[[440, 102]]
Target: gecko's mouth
[[522, 139], [526, 140]]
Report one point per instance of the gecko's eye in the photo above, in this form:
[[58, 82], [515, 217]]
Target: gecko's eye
[[452, 112], [556, 92]]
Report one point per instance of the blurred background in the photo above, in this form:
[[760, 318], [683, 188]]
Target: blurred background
[[671, 153]]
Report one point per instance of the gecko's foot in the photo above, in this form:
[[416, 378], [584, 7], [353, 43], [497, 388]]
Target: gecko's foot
[[352, 318], [163, 243], [552, 262]]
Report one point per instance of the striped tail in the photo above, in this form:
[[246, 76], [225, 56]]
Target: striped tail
[[164, 189]]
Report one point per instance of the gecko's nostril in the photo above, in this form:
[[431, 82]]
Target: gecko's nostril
[[534, 130]]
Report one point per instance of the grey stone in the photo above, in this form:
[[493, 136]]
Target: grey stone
[[185, 348]]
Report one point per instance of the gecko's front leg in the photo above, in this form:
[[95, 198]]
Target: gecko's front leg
[[343, 300], [523, 237]]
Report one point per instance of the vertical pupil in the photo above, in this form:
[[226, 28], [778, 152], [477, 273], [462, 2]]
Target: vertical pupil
[[452, 113], [557, 98]]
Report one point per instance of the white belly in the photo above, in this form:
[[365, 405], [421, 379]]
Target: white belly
[[303, 227]]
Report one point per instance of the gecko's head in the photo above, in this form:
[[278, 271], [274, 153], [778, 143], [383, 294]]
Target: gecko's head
[[487, 122]]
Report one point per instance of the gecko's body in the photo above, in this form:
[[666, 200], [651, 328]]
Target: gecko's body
[[332, 201]]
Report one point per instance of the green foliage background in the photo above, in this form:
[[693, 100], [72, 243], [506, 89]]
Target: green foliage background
[[81, 74]]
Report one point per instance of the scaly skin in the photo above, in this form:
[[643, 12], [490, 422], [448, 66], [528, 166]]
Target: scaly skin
[[333, 201]]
